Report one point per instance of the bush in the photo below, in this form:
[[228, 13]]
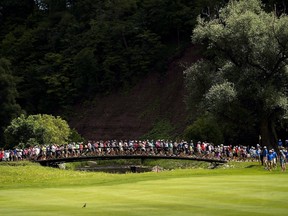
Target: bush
[[36, 129], [162, 130], [204, 128], [74, 136]]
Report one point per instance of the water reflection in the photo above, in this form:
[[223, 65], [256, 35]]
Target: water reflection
[[116, 169]]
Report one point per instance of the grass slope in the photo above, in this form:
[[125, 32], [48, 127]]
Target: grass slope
[[246, 189]]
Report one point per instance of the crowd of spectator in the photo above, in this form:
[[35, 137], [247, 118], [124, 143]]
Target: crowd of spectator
[[268, 158]]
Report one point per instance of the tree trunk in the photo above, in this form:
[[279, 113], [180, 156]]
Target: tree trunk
[[268, 134]]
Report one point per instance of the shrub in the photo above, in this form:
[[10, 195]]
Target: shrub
[[204, 128], [36, 129]]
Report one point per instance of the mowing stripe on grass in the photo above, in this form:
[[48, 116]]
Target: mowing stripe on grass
[[176, 193]]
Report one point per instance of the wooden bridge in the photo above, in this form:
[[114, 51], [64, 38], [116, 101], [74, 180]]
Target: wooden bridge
[[56, 161]]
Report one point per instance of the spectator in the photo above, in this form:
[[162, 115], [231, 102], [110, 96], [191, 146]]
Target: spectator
[[1, 154], [282, 159], [280, 144], [265, 155], [270, 158], [275, 156]]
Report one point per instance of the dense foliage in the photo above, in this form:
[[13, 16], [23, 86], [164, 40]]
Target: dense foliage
[[205, 128], [65, 51], [36, 129], [9, 108], [61, 52], [245, 71]]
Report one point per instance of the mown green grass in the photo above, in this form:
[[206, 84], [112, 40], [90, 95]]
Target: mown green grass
[[244, 189]]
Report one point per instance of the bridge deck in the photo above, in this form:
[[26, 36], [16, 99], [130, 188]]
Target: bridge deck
[[111, 157]]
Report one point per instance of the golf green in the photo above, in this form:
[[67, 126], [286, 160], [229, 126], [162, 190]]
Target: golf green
[[239, 191]]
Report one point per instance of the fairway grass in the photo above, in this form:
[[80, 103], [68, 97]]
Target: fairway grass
[[34, 190]]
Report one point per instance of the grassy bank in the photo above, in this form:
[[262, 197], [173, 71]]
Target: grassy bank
[[240, 189], [165, 164]]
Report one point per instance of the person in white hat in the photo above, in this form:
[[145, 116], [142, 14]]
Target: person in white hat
[[270, 158]]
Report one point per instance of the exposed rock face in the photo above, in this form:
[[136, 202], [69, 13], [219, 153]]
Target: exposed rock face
[[130, 115]]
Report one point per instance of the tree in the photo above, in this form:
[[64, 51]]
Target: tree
[[246, 60], [37, 129], [9, 108], [205, 129], [15, 9]]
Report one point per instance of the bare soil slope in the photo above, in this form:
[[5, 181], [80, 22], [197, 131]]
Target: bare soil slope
[[133, 114]]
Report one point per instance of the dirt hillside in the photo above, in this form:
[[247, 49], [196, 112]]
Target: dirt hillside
[[130, 115]]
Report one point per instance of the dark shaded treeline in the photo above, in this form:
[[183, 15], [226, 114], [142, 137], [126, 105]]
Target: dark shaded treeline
[[62, 51], [55, 53]]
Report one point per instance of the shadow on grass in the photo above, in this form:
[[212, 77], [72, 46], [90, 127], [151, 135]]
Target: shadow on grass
[[251, 166]]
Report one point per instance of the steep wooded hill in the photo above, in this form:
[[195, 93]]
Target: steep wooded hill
[[132, 114]]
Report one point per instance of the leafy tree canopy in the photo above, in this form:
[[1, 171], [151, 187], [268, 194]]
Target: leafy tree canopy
[[244, 71], [9, 108], [204, 128], [63, 52], [37, 129]]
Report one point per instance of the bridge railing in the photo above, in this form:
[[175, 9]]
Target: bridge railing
[[63, 152], [129, 153]]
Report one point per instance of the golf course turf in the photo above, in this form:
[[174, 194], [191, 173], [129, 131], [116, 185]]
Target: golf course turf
[[237, 189]]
